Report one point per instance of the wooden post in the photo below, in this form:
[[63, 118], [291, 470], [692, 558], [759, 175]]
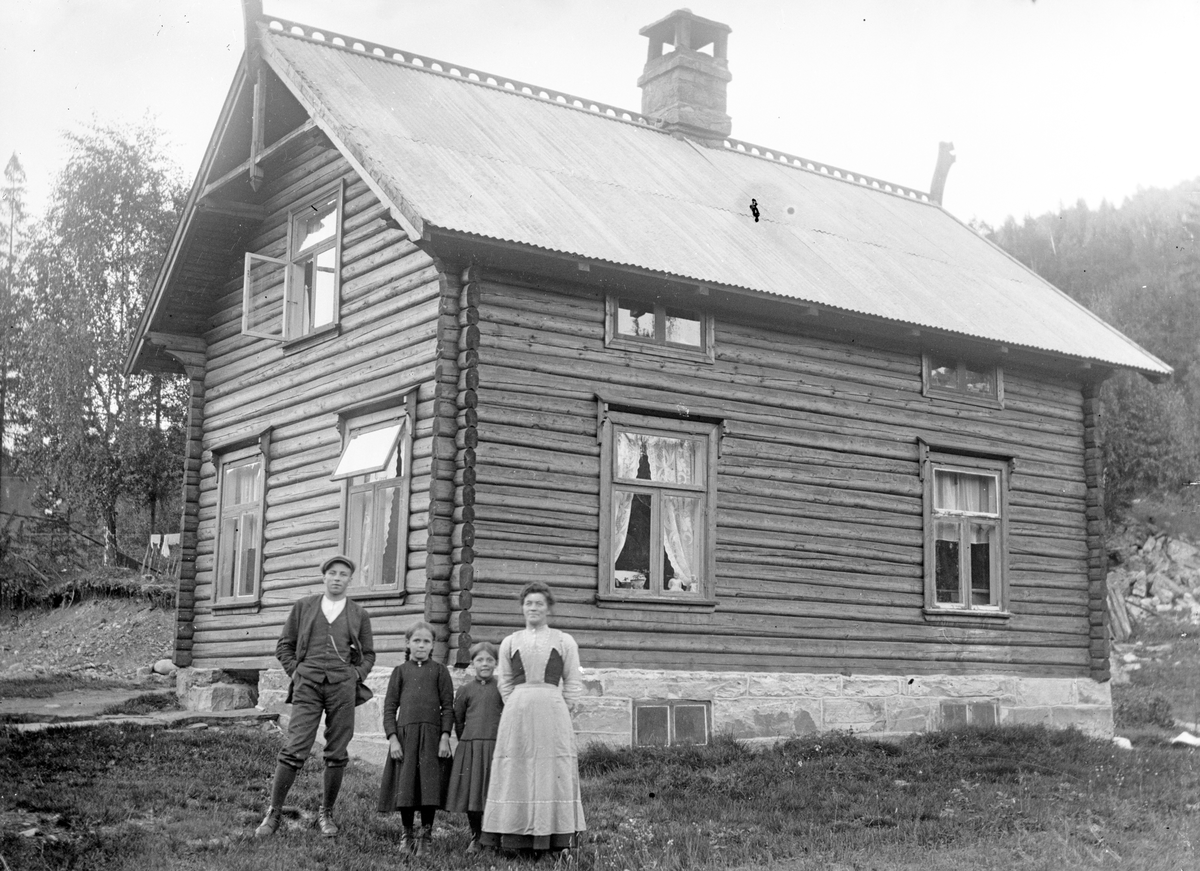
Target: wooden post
[[1097, 559]]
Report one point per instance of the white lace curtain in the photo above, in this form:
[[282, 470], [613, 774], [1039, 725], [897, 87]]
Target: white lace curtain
[[671, 461]]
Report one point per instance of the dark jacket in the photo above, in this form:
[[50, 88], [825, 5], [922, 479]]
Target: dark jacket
[[293, 641]]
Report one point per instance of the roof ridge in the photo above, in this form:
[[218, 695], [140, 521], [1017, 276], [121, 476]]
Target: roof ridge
[[424, 63]]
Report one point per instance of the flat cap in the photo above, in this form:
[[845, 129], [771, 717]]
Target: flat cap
[[338, 558]]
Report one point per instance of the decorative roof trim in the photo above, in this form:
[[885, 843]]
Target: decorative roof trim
[[285, 27]]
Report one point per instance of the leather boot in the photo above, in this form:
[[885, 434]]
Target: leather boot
[[270, 823], [424, 839], [407, 843], [325, 822]]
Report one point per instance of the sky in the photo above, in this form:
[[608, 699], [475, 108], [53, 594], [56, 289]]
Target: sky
[[1046, 102]]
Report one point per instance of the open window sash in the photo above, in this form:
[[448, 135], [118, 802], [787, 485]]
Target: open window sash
[[264, 296], [369, 451]]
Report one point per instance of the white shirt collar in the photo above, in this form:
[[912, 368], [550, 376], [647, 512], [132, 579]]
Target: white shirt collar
[[331, 609]]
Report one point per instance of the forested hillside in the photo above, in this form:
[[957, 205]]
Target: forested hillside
[[1137, 265]]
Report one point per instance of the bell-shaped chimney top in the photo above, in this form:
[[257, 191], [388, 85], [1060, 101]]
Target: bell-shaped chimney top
[[685, 89]]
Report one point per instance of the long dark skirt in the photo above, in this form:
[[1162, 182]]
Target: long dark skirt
[[470, 775], [421, 778]]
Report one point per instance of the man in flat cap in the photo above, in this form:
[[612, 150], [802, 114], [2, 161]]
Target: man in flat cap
[[327, 650]]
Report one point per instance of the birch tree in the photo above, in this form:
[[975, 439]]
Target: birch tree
[[89, 430]]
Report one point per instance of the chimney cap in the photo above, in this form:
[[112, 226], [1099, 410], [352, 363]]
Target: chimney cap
[[703, 30]]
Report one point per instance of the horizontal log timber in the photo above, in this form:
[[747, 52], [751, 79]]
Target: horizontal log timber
[[602, 634], [515, 532], [730, 522], [381, 384], [768, 581], [462, 578], [504, 515], [359, 360], [792, 559], [535, 459], [671, 383]]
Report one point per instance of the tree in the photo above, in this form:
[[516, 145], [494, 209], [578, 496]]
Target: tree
[[12, 199], [1138, 267], [90, 433]]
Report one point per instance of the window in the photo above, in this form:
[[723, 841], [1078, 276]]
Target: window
[[662, 722], [374, 465], [965, 533], [298, 296], [240, 486], [658, 329], [962, 379], [657, 500]]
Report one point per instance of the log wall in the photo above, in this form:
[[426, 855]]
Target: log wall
[[386, 346], [819, 558]]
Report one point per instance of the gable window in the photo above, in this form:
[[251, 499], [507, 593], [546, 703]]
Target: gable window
[[298, 295], [657, 502], [968, 380], [965, 533], [240, 485], [667, 722], [374, 466], [658, 329]]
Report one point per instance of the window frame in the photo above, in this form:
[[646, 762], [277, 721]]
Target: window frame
[[708, 432], [671, 705], [292, 263], [658, 346], [949, 460], [960, 393], [370, 419], [224, 460]]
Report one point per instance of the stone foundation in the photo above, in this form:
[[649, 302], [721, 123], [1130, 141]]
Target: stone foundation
[[753, 706], [759, 707], [215, 689]]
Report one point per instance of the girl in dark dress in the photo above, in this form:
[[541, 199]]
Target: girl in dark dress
[[477, 710], [418, 712]]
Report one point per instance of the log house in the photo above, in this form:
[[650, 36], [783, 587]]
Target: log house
[[796, 449]]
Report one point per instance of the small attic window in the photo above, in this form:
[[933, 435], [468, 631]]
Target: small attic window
[[651, 327], [962, 379], [298, 295]]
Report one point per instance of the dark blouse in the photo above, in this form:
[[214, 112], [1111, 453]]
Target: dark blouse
[[419, 693], [477, 709]]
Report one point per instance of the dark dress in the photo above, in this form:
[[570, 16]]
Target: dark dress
[[477, 710], [418, 709]]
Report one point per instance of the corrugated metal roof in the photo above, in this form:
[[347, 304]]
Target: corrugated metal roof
[[483, 160]]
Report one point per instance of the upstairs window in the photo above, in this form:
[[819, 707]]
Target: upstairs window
[[658, 329], [374, 467], [298, 295], [967, 380], [965, 533], [240, 488], [657, 502]]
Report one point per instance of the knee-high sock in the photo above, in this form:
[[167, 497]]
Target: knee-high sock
[[427, 815], [285, 776], [475, 821], [406, 816], [332, 785]]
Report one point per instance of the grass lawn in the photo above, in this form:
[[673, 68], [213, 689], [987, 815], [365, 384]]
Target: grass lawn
[[1024, 798]]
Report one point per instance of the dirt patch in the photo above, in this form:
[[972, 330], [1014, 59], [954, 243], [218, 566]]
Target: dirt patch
[[101, 637]]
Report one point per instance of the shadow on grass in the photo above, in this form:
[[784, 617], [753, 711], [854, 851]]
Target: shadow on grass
[[125, 798]]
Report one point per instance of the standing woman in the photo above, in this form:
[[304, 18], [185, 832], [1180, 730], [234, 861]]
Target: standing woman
[[533, 800]]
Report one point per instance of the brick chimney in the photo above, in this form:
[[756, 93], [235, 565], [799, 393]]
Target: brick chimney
[[685, 89]]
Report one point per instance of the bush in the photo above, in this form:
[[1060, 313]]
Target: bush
[[1142, 707]]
